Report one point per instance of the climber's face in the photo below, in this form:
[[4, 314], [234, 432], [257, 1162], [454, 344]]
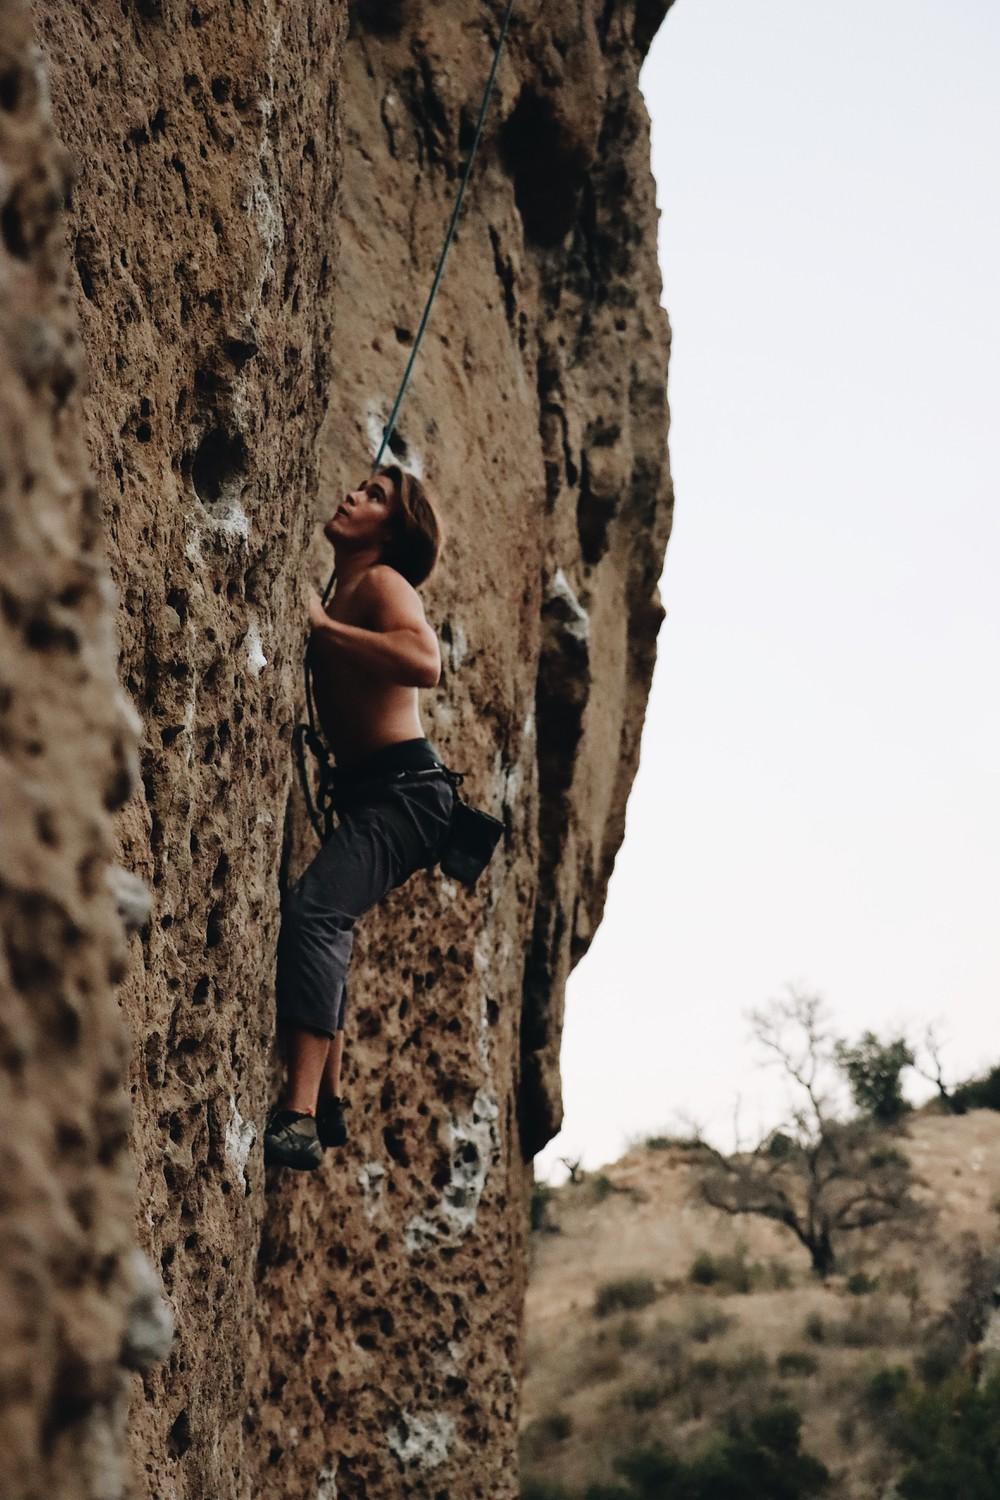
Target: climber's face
[[362, 518]]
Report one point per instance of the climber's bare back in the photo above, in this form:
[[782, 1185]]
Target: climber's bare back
[[360, 710]]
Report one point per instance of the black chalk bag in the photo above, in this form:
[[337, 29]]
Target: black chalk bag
[[472, 835], [471, 841]]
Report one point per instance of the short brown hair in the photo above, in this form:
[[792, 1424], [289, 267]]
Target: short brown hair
[[415, 539]]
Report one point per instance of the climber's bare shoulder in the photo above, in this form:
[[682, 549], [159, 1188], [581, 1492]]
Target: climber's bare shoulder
[[389, 601]]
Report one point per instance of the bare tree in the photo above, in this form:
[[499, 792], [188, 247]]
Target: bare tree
[[573, 1166], [933, 1071], [819, 1175]]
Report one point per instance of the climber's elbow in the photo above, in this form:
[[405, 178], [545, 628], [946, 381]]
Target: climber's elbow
[[430, 673], [430, 665]]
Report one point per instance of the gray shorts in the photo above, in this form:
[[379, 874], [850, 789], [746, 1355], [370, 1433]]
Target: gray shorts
[[386, 830]]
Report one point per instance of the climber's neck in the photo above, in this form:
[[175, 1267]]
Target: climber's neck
[[351, 563]]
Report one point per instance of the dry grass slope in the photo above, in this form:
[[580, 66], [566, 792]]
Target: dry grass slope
[[652, 1317]]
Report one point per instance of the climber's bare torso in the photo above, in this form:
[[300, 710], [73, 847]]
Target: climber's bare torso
[[360, 712], [372, 648]]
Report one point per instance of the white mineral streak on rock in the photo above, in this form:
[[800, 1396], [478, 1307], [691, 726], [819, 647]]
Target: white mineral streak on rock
[[414, 462], [484, 1032], [419, 1234], [192, 547], [458, 648], [149, 1330], [474, 1143], [444, 719], [577, 622], [256, 659], [170, 620], [227, 514], [371, 1180], [265, 213], [132, 897], [326, 1482], [513, 781], [422, 1440], [240, 1136], [374, 424]]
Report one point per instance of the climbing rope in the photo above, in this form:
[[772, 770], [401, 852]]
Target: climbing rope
[[307, 735]]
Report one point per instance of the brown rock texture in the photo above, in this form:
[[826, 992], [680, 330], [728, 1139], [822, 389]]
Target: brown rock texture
[[259, 201], [67, 762]]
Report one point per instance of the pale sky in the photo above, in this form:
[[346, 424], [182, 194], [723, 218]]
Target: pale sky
[[819, 794]]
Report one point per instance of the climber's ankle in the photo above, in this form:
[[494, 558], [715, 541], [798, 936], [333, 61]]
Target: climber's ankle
[[297, 1107]]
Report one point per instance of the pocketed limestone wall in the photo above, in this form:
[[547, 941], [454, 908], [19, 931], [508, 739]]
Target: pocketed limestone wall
[[78, 1304], [259, 197], [202, 234], [538, 413]]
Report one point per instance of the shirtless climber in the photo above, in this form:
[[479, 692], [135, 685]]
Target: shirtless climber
[[372, 651]]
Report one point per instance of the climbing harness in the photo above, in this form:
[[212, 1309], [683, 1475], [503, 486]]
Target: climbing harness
[[472, 830]]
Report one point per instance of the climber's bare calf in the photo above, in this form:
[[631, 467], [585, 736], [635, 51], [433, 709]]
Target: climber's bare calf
[[372, 651]]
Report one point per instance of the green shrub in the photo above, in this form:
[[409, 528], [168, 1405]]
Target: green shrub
[[979, 1093], [761, 1460], [749, 1365], [814, 1328], [703, 1270], [882, 1388], [597, 1363], [541, 1197], [601, 1187], [847, 1428], [557, 1425], [705, 1370], [629, 1334], [673, 1143], [707, 1323], [780, 1275], [649, 1472], [859, 1285], [873, 1070], [938, 1360], [546, 1431], [624, 1295], [727, 1272], [950, 1437], [886, 1156], [647, 1397], [797, 1362], [544, 1489]]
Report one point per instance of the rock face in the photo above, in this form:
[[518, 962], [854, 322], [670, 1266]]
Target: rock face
[[259, 201], [67, 761]]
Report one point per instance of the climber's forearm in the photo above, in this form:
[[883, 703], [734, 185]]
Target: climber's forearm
[[406, 657]]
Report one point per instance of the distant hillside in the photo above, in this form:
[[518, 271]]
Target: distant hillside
[[652, 1318]]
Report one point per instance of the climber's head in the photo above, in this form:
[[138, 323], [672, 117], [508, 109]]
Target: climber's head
[[393, 511]]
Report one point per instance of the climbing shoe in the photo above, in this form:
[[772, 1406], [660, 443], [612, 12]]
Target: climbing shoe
[[331, 1127], [290, 1140]]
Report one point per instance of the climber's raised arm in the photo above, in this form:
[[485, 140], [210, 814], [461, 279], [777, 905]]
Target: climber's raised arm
[[398, 645]]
